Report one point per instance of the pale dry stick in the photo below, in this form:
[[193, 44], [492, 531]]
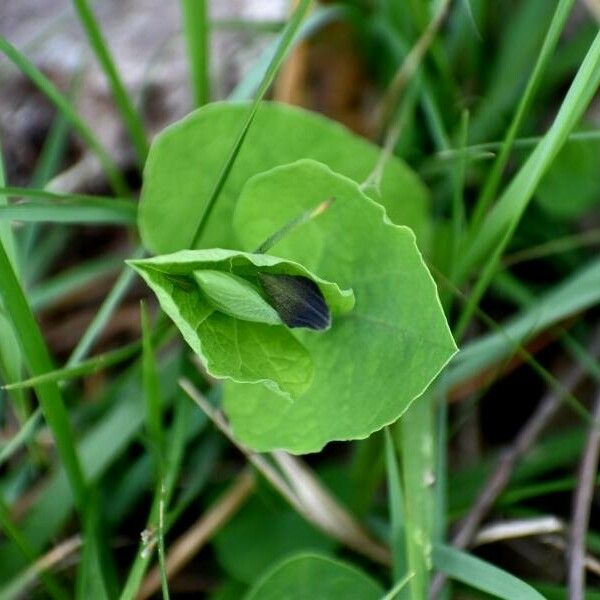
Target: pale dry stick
[[518, 528], [375, 176], [339, 524], [499, 478], [594, 7], [58, 553], [528, 435], [258, 461], [188, 545], [592, 564], [287, 88], [84, 172], [52, 558], [547, 528], [582, 501], [333, 518]]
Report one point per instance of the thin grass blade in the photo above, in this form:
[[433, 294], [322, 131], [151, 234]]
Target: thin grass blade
[[196, 31], [71, 211], [490, 188], [67, 109], [151, 394], [396, 504], [283, 48], [104, 313], [173, 463], [24, 434], [319, 18], [38, 361], [481, 575], [130, 116], [498, 228], [509, 209]]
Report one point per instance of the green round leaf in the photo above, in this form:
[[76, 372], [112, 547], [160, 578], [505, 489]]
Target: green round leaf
[[376, 359], [307, 577], [186, 158], [260, 535]]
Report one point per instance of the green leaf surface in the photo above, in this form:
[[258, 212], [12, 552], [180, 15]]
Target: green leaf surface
[[572, 185], [306, 577], [228, 590], [376, 359], [245, 351], [180, 171], [261, 534]]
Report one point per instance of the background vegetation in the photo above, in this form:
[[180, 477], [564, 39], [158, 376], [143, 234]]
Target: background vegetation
[[109, 425]]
